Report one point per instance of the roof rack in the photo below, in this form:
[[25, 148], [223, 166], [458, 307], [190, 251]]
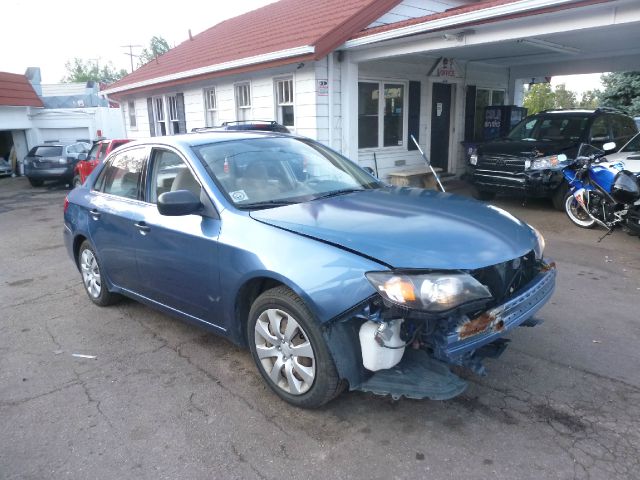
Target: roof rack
[[269, 122]]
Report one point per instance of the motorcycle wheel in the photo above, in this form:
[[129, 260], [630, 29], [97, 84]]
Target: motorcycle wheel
[[576, 214]]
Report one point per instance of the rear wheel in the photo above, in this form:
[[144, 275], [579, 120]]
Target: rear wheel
[[576, 213], [289, 349], [35, 182], [92, 277]]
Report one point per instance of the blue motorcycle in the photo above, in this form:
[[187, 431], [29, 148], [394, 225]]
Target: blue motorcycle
[[601, 192]]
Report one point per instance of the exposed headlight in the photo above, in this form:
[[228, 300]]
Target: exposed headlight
[[546, 162], [432, 292], [540, 244], [473, 159]]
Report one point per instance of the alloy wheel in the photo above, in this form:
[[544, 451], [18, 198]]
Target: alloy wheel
[[90, 273], [285, 351]]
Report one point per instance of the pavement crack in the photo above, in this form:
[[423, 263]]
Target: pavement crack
[[13, 403], [242, 459]]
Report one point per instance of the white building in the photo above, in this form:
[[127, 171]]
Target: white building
[[32, 113], [363, 75]]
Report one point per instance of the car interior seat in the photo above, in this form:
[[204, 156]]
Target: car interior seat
[[186, 181]]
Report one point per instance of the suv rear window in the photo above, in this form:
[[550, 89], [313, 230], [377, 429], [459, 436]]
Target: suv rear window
[[46, 151]]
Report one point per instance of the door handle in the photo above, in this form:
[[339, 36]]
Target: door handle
[[95, 214], [142, 227]]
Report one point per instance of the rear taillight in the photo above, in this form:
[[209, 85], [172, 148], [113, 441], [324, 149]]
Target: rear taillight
[[66, 204]]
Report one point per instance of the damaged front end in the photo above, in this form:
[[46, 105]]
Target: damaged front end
[[421, 323]]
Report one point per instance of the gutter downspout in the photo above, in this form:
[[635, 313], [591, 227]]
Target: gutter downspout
[[330, 75]]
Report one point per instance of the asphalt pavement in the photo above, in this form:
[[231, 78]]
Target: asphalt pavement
[[165, 400]]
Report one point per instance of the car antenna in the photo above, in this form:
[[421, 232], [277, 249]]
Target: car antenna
[[428, 163]]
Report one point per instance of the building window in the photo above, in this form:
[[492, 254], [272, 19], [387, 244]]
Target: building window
[[484, 98], [159, 116], [131, 107], [243, 101], [211, 107], [284, 102], [381, 118], [174, 120]]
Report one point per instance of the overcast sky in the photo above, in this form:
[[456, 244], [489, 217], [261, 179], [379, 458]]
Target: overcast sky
[[48, 33]]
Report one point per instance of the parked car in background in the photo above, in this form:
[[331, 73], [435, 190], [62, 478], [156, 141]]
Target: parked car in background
[[325, 273], [5, 167], [257, 125], [52, 161], [98, 153], [525, 162], [629, 154]]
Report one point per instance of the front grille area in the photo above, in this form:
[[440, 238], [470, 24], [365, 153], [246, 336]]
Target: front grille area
[[505, 280], [501, 163]]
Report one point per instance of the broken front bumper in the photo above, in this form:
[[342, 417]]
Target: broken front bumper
[[463, 336], [459, 341]]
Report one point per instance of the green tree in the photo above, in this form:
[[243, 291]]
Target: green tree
[[79, 70], [157, 46], [622, 90], [564, 98], [590, 99], [539, 97]]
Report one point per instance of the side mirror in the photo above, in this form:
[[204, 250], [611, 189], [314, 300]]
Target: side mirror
[[607, 147], [178, 203], [82, 156]]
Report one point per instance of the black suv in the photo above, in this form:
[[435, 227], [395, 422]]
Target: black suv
[[525, 162]]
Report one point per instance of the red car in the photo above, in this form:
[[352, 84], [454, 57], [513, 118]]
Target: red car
[[97, 154]]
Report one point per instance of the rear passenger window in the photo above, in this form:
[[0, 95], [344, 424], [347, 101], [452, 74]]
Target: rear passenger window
[[170, 173], [121, 177]]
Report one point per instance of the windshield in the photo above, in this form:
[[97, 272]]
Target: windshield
[[633, 145], [549, 128], [274, 171]]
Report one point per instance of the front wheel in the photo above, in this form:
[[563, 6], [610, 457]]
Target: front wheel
[[289, 349], [576, 213]]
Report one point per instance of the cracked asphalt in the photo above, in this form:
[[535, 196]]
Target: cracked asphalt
[[165, 400]]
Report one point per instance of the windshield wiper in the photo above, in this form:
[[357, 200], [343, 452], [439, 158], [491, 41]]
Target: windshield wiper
[[335, 193], [265, 204]]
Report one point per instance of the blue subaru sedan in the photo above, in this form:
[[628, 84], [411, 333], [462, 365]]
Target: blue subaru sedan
[[332, 278]]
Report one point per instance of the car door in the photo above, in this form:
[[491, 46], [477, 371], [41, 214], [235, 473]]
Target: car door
[[178, 255], [114, 216]]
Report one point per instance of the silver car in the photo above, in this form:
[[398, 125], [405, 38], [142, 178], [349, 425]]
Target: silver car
[[629, 154]]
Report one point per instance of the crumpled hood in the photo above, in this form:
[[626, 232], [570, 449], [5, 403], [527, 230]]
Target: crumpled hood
[[409, 228], [526, 148]]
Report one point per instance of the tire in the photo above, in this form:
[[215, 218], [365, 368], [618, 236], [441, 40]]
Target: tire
[[307, 380], [91, 277], [76, 182], [35, 182], [576, 214], [483, 195], [559, 196]]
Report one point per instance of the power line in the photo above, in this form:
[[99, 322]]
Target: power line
[[131, 54]]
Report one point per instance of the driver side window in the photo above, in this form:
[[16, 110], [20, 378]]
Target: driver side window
[[600, 130], [170, 173]]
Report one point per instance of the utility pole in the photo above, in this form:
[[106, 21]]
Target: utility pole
[[131, 54]]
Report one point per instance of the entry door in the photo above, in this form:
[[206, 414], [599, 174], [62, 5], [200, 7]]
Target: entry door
[[440, 125]]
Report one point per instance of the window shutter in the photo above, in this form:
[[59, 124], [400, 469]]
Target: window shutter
[[413, 128], [182, 121], [152, 129], [470, 114]]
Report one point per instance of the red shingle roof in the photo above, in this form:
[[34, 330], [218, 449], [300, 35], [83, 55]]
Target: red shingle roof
[[16, 91], [284, 25]]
